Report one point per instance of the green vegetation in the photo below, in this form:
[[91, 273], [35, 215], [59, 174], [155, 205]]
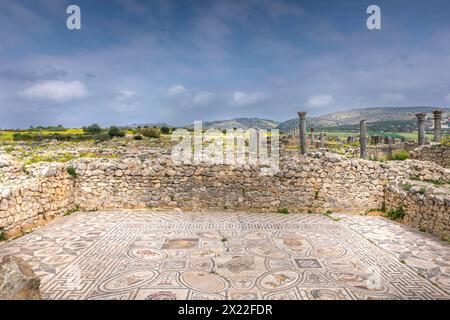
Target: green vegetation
[[92, 129], [437, 183], [328, 214], [377, 158], [165, 130], [68, 213], [151, 132], [407, 187], [72, 172], [46, 158], [283, 211], [382, 209], [115, 132], [399, 155], [137, 137], [395, 214], [2, 234], [422, 191]]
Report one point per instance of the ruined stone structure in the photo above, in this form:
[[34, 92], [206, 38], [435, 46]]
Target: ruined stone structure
[[421, 128], [363, 139], [429, 212], [302, 132], [437, 153], [313, 183]]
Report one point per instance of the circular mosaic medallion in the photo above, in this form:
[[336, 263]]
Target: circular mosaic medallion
[[145, 253], [278, 280], [204, 281], [127, 280], [329, 252]]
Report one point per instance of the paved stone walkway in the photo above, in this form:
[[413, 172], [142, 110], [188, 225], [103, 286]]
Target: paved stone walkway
[[175, 255]]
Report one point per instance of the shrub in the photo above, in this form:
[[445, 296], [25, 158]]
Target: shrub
[[72, 172], [399, 155], [406, 187], [165, 130], [151, 132], [137, 137], [2, 234], [283, 210], [115, 132], [446, 140], [395, 214], [92, 129], [422, 190], [100, 137]]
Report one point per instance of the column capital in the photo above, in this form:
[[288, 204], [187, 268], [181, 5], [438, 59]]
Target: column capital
[[302, 115], [421, 115], [437, 114]]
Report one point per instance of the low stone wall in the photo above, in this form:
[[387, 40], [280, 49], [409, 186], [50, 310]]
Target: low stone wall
[[316, 183], [42, 193], [437, 153], [428, 212], [313, 183]]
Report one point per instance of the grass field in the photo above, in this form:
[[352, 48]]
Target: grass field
[[407, 135]]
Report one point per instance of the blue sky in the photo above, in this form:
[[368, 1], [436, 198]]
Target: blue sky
[[178, 61]]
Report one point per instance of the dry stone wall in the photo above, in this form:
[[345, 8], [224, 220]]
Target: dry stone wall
[[428, 212], [437, 153], [313, 183], [45, 191]]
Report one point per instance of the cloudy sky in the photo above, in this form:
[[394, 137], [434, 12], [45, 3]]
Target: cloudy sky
[[178, 61]]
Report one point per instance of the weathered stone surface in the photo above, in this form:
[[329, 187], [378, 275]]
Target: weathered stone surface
[[437, 153], [17, 280], [316, 182]]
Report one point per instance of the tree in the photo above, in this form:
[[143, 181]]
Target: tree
[[115, 132], [165, 130], [93, 129]]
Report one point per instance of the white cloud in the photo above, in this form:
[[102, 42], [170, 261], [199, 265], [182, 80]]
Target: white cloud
[[393, 97], [320, 100], [123, 95], [202, 97], [176, 90], [246, 99], [447, 98], [58, 91]]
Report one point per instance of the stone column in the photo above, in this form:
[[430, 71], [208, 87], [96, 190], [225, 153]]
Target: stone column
[[312, 136], [363, 139], [421, 127], [302, 131], [322, 140], [437, 125]]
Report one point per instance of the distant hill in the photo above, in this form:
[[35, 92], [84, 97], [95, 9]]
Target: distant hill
[[239, 123], [149, 125], [403, 116]]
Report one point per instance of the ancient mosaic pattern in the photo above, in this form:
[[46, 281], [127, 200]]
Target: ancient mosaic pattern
[[423, 252], [175, 255]]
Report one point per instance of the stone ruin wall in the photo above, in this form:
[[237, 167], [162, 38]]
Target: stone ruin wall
[[46, 191], [437, 153], [315, 183], [427, 212]]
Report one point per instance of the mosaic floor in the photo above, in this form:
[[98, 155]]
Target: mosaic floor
[[175, 255]]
